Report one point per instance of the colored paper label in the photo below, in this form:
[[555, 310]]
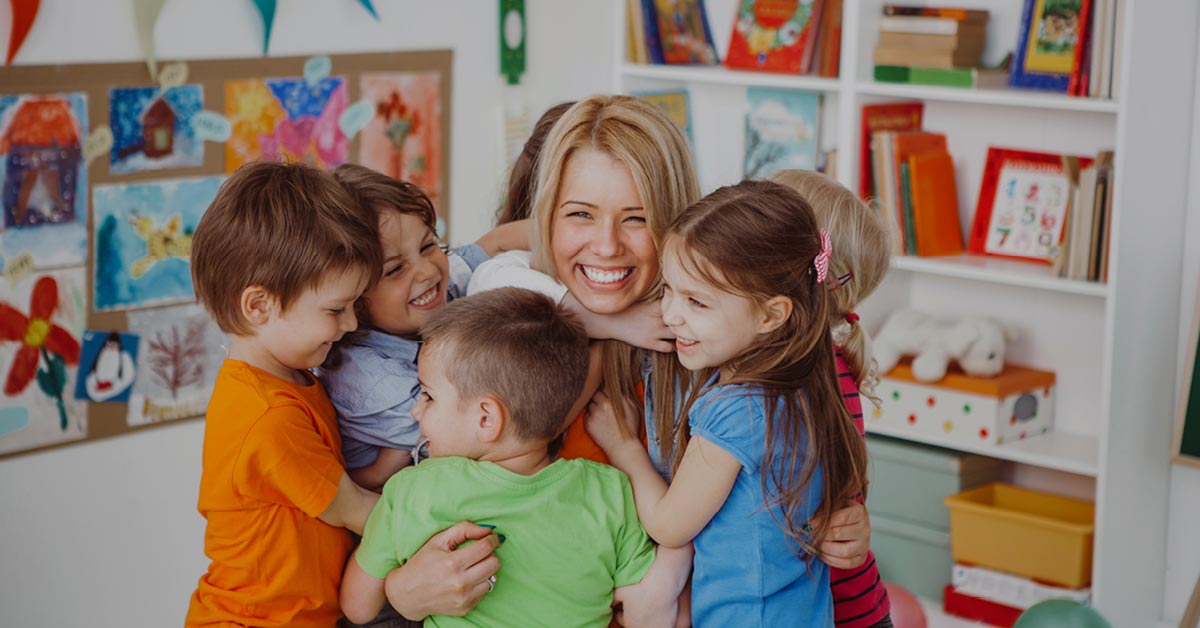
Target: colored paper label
[[316, 69], [355, 117], [18, 267], [98, 143], [173, 75], [211, 126]]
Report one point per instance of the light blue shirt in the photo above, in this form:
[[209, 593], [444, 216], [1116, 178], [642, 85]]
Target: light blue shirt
[[746, 571], [374, 389]]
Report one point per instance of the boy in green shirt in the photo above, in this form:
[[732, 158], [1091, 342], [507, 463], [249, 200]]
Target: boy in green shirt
[[499, 373]]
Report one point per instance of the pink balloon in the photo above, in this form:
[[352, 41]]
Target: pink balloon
[[906, 609]]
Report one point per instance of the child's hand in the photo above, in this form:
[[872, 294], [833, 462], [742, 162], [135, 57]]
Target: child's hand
[[640, 325], [606, 429], [849, 538]]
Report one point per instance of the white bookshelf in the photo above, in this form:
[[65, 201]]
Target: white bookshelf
[[1111, 345]]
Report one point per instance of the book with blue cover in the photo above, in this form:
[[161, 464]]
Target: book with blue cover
[[782, 131]]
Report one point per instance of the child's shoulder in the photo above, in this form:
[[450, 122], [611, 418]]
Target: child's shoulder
[[244, 396]]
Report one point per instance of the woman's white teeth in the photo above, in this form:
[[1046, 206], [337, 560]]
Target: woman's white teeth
[[605, 276], [426, 298]]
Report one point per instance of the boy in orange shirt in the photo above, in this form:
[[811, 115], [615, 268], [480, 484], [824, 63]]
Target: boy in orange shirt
[[278, 260]]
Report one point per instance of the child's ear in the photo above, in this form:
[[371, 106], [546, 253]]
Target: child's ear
[[493, 417], [257, 304], [775, 311]]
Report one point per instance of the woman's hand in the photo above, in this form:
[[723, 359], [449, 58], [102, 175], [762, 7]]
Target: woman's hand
[[849, 538], [639, 325], [606, 429], [443, 578]]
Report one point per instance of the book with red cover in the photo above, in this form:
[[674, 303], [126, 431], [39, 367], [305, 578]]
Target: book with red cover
[[954, 13], [978, 609], [1080, 69], [892, 116], [935, 204], [774, 36], [829, 40]]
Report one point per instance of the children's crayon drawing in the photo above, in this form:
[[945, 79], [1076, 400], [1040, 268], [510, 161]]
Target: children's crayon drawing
[[44, 179], [143, 240], [107, 365], [781, 131], [180, 352], [285, 118], [152, 129], [403, 140], [41, 318]]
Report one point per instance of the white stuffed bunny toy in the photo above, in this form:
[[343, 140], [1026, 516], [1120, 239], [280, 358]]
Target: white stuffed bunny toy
[[975, 342]]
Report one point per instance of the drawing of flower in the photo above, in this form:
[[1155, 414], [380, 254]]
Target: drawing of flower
[[40, 338]]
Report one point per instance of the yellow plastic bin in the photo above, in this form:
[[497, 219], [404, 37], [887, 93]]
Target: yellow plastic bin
[[1028, 533]]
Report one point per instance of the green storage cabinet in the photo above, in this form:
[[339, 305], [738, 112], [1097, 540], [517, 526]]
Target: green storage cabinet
[[910, 480], [912, 556]]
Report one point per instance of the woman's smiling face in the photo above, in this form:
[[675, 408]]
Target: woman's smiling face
[[602, 248]]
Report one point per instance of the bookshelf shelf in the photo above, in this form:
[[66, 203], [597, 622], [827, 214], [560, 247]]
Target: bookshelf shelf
[[1002, 97], [998, 270], [717, 75], [1060, 451]]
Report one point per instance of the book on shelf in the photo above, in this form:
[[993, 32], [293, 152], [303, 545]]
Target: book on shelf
[[829, 40], [890, 116], [943, 59], [905, 144], [1085, 244], [931, 25], [781, 131], [774, 35], [1049, 34], [978, 78], [677, 107], [921, 42], [683, 32], [937, 228], [1081, 62], [884, 165], [954, 13], [1023, 203]]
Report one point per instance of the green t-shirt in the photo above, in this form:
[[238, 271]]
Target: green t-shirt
[[572, 536]]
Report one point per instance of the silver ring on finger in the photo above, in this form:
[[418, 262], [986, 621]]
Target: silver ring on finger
[[491, 582]]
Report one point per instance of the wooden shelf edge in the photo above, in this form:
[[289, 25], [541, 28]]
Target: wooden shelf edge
[[1061, 451]]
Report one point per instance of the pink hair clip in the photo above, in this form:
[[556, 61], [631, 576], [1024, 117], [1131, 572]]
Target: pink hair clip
[[821, 262]]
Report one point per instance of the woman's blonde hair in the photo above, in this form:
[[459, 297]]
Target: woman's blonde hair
[[861, 254], [642, 138]]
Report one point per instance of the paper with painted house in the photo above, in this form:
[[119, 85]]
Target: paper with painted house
[[152, 128]]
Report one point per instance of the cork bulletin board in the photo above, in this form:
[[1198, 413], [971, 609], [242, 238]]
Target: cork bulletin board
[[99, 331]]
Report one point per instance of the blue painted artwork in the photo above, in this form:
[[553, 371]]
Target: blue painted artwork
[[143, 240], [781, 131], [43, 182], [107, 366], [152, 129]]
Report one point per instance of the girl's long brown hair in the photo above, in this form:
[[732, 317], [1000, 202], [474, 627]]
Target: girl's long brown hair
[[759, 239]]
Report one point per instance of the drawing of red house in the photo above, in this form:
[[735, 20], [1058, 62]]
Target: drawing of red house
[[42, 144], [158, 128]]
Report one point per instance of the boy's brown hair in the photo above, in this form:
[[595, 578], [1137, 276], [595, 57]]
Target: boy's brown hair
[[284, 227], [376, 193], [515, 345]]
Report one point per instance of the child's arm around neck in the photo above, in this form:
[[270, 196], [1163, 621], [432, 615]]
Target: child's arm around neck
[[350, 507]]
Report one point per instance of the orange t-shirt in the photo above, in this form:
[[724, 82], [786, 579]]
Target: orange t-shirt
[[577, 443], [272, 461]]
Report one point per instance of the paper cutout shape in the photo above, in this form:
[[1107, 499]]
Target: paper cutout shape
[[404, 139], [180, 351], [145, 16], [211, 126], [143, 240], [317, 69], [285, 119], [107, 366], [266, 8], [370, 8], [23, 14], [44, 180], [41, 318], [172, 75], [152, 128]]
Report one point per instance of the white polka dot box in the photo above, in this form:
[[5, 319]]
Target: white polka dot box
[[1014, 405]]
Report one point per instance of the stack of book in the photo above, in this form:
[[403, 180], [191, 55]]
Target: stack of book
[[934, 46], [913, 182], [1084, 251]]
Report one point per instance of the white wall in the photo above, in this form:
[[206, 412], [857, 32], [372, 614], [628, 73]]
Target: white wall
[[107, 534], [1183, 545]]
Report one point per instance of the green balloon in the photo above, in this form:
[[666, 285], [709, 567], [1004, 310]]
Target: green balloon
[[1061, 614]]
